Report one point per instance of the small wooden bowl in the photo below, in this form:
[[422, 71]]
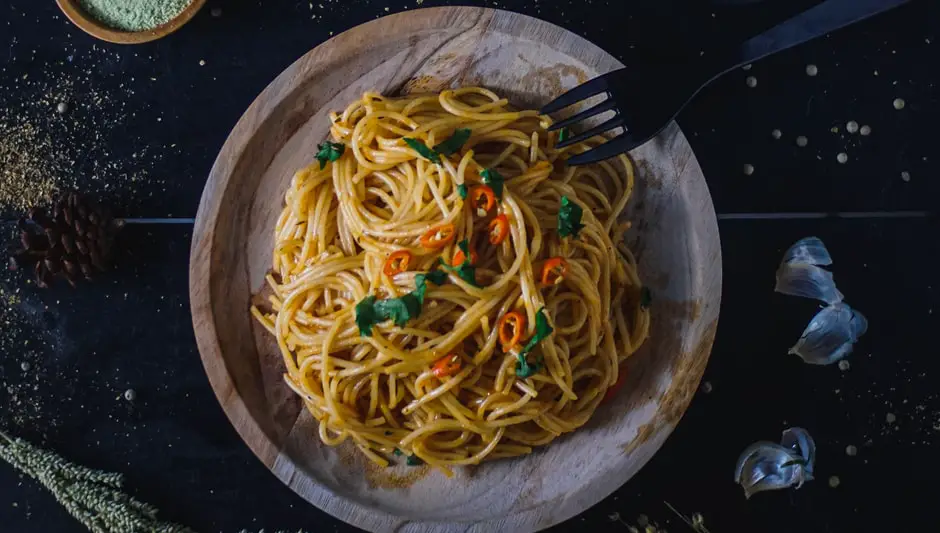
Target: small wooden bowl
[[92, 26], [674, 236]]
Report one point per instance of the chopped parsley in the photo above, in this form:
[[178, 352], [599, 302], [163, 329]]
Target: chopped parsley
[[400, 310], [494, 180], [366, 316], [524, 370], [463, 190], [563, 134], [414, 460], [397, 452], [542, 330], [423, 150], [465, 271], [329, 151], [569, 218], [646, 298], [370, 312], [454, 143]]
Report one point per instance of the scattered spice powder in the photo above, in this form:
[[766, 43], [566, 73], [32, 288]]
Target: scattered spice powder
[[134, 15], [56, 133]]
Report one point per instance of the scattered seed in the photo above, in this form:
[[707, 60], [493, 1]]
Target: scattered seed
[[834, 481], [748, 169], [865, 130], [899, 103], [890, 418], [25, 366], [844, 365], [811, 70], [62, 108], [707, 387], [776, 134], [802, 141], [906, 176], [202, 62], [834, 129], [852, 127], [130, 395], [842, 157], [752, 82], [851, 451]]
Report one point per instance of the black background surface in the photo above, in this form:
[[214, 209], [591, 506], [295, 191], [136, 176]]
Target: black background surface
[[86, 346]]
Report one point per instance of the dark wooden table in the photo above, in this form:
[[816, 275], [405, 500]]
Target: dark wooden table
[[144, 123]]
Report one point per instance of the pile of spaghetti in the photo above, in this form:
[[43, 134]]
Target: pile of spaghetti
[[445, 288]]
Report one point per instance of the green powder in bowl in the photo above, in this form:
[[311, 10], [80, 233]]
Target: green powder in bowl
[[134, 15]]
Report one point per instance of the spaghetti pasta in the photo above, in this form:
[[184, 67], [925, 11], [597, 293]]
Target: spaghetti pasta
[[444, 287]]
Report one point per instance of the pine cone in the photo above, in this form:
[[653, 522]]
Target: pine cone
[[74, 241]]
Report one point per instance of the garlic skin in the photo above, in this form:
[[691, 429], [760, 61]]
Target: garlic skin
[[809, 250], [830, 335], [767, 466], [807, 281]]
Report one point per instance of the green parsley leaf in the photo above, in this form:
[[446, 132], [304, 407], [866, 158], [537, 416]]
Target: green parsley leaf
[[563, 134], [494, 180], [646, 298], [454, 143], [569, 218], [542, 330], [329, 151], [366, 316], [523, 369], [414, 460], [463, 190], [397, 452], [400, 310], [423, 150], [465, 271], [437, 277]]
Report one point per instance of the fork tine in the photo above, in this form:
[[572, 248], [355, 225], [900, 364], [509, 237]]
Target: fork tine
[[615, 122], [581, 92], [606, 105], [618, 145]]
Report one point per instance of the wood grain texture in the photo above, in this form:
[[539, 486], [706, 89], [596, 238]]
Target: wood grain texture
[[92, 26], [530, 61]]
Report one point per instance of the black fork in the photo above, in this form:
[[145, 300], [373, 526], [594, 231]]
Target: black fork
[[645, 100]]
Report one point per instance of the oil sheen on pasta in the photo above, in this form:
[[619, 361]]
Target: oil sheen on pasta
[[384, 392]]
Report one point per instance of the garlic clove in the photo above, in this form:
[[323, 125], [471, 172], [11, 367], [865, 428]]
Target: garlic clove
[[830, 335], [810, 250], [807, 281]]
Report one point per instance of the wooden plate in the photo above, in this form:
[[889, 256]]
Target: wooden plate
[[675, 235]]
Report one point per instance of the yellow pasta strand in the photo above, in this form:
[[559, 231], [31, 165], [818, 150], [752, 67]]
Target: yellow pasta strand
[[339, 225]]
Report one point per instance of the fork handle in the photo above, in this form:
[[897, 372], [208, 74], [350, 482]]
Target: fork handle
[[815, 22]]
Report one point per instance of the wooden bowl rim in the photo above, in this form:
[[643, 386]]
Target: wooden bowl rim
[[92, 26], [204, 240]]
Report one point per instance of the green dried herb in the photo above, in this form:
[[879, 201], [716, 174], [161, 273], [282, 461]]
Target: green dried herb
[[463, 190], [93, 497]]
